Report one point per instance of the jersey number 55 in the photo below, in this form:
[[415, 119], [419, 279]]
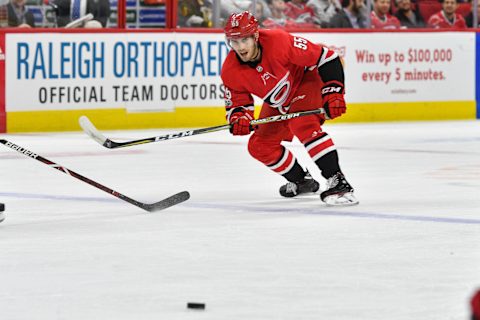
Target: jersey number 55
[[300, 43]]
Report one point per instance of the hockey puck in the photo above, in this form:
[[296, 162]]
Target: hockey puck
[[2, 207], [196, 305]]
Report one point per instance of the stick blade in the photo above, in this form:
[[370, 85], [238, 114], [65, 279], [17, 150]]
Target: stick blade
[[168, 202], [89, 128]]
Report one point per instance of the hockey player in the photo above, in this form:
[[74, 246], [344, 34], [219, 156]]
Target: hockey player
[[290, 74]]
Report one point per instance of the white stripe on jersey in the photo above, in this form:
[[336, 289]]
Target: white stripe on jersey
[[327, 56]]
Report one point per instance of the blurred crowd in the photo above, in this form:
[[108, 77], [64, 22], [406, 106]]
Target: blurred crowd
[[291, 14], [63, 13], [316, 14]]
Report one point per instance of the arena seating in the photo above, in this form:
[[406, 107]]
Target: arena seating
[[427, 8]]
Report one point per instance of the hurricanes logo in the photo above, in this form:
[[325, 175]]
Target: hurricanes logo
[[277, 97]]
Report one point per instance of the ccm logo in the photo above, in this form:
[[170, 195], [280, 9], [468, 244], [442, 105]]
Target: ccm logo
[[331, 90]]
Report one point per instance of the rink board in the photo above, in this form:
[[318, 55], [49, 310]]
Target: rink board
[[150, 79]]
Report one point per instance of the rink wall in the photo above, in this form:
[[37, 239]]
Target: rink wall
[[153, 79]]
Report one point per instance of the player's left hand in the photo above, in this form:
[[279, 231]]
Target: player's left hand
[[333, 100], [334, 105]]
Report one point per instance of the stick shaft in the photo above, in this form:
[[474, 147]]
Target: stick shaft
[[93, 132], [78, 176]]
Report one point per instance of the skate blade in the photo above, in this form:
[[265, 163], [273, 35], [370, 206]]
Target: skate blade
[[344, 200]]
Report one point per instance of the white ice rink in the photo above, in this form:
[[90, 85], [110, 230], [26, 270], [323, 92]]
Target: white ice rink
[[410, 250]]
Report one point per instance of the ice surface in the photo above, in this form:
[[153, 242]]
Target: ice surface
[[410, 250]]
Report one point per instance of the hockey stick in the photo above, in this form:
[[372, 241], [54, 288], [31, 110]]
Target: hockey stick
[[160, 205], [96, 135]]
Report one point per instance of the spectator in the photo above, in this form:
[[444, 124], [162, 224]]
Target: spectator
[[3, 14], [297, 10], [261, 6], [280, 20], [408, 17], [100, 10], [189, 13], [19, 16], [260, 12], [195, 13], [227, 7], [353, 15], [70, 10], [447, 17], [324, 10], [469, 17], [380, 17]]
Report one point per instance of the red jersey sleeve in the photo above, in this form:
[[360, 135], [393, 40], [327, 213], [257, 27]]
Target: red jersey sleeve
[[303, 52], [237, 101], [236, 97]]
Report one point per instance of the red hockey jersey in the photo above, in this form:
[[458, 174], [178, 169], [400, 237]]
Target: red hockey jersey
[[439, 20], [277, 76], [386, 22]]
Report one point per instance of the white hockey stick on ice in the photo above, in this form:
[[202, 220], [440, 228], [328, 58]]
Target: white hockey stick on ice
[[96, 135]]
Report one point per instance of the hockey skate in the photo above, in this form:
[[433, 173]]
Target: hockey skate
[[293, 189], [339, 192]]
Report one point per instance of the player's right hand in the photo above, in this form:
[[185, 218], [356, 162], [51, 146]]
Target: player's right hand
[[334, 105], [240, 124]]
